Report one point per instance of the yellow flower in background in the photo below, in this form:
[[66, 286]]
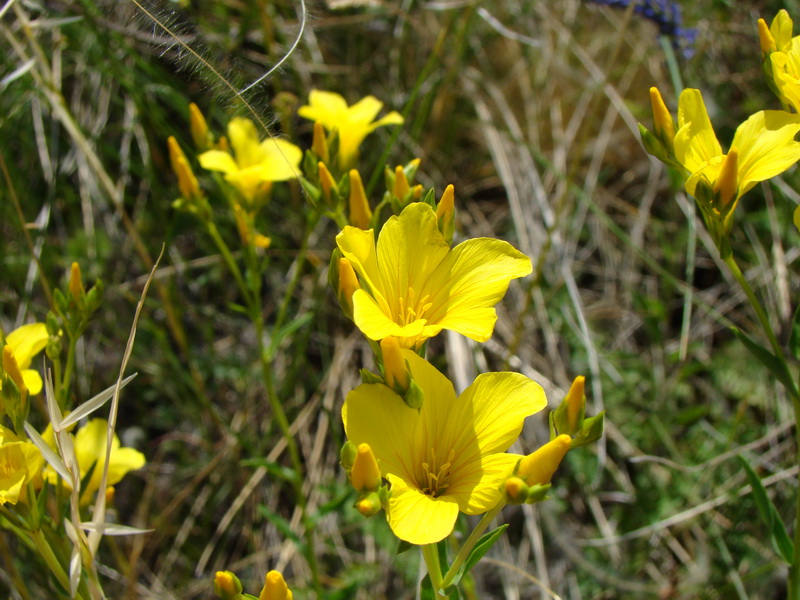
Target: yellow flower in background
[[26, 342], [781, 55], [90, 450], [413, 284], [450, 455], [20, 462], [353, 123], [254, 164]]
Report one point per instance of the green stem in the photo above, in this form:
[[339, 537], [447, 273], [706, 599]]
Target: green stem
[[227, 256], [762, 316], [49, 557], [64, 390], [431, 555], [473, 538]]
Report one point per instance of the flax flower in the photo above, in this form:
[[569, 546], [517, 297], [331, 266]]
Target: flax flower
[[20, 462], [254, 164], [449, 456], [781, 55], [353, 123], [25, 343], [413, 284], [90, 451], [763, 147]]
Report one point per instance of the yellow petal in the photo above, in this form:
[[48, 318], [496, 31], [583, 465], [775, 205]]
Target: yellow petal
[[33, 381], [217, 160], [26, 342], [375, 322], [478, 273], [479, 490], [766, 146], [365, 110], [393, 118], [417, 518], [243, 136], [781, 30], [281, 158], [358, 246], [325, 107], [695, 141]]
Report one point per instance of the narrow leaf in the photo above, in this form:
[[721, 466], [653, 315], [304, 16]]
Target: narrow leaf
[[486, 541], [53, 459], [776, 365], [780, 539]]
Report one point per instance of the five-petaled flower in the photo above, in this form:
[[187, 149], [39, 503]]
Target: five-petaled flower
[[26, 342], [20, 462], [353, 123], [90, 450], [413, 284], [254, 164], [449, 456]]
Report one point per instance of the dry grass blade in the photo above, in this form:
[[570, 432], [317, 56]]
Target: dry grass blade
[[88, 407]]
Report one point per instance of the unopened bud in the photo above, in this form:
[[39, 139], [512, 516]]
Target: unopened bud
[[201, 137], [394, 365], [75, 282], [663, 125], [348, 284], [765, 39], [516, 490], [446, 213], [275, 587], [727, 184], [575, 402], [187, 182], [319, 143], [365, 475], [360, 213], [369, 505], [227, 586], [401, 186], [327, 184], [11, 368], [538, 468]]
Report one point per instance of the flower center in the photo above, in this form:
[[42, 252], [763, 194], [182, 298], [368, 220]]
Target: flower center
[[411, 309], [436, 476]]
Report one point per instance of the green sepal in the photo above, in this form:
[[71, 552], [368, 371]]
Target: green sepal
[[403, 546], [430, 199], [60, 301], [780, 539], [368, 376], [537, 493], [310, 161], [591, 430], [776, 365]]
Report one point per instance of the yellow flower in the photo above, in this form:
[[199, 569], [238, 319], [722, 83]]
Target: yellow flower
[[780, 53], [353, 123], [449, 456], [90, 449], [26, 342], [275, 587], [413, 284], [254, 165], [20, 462]]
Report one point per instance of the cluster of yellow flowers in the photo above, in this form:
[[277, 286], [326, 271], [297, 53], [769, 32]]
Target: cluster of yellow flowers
[[415, 449], [763, 146]]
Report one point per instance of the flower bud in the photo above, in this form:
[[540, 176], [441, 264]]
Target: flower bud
[[319, 143], [327, 185], [727, 184], [11, 368], [365, 475], [201, 136], [348, 284], [516, 490], [395, 370], [538, 468], [765, 39], [401, 185], [663, 125], [275, 587], [360, 213], [369, 505], [446, 213], [227, 586], [347, 455], [75, 282]]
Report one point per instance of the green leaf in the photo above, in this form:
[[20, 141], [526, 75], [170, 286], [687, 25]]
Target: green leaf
[[794, 336], [486, 541], [403, 546], [781, 542], [282, 525], [426, 589], [775, 364]]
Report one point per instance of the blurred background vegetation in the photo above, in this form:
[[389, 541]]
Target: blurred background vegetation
[[529, 108]]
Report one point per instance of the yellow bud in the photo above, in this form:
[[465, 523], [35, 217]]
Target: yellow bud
[[348, 284], [365, 475], [262, 241], [275, 588], [319, 143], [187, 182], [360, 213], [768, 45], [110, 493], [575, 401], [369, 505], [538, 468], [227, 586], [75, 281], [446, 213], [326, 182], [663, 125], [401, 186], [394, 366], [11, 369], [199, 128], [516, 490], [727, 184]]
